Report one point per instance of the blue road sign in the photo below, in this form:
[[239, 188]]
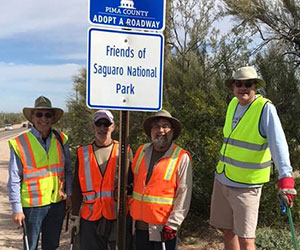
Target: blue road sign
[[133, 14]]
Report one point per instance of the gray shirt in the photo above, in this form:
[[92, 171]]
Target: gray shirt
[[269, 127]]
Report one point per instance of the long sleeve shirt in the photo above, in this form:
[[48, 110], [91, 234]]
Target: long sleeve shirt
[[182, 197], [15, 169], [270, 128]]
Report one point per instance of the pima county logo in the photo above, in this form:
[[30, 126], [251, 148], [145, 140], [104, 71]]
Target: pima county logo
[[127, 4], [125, 13]]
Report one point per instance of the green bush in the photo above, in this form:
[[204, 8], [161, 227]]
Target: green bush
[[270, 239]]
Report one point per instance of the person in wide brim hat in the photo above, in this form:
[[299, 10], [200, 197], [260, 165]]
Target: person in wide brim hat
[[243, 74], [43, 102], [176, 126]]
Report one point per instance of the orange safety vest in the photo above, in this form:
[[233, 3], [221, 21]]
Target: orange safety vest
[[153, 203], [97, 190], [43, 173]]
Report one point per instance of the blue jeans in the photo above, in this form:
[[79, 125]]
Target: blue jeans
[[46, 219], [142, 242]]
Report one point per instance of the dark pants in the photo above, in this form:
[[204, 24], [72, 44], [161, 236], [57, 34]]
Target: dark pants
[[46, 219], [143, 243], [90, 238]]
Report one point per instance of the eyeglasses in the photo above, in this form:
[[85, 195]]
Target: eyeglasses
[[247, 84], [41, 114], [104, 123]]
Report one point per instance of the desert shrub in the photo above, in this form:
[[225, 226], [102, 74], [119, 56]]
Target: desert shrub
[[270, 239]]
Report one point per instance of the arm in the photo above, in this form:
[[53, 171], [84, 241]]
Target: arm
[[68, 170], [76, 193], [68, 176], [15, 172], [270, 127], [183, 194]]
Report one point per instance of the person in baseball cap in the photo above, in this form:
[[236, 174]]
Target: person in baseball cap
[[95, 186]]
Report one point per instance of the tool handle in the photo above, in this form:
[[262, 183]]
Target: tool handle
[[292, 228], [25, 235], [67, 221], [283, 207]]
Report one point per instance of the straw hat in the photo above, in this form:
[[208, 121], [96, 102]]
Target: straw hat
[[43, 102], [166, 115], [245, 73]]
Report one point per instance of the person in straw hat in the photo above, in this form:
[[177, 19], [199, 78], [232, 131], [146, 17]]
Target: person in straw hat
[[162, 184], [252, 137], [40, 176]]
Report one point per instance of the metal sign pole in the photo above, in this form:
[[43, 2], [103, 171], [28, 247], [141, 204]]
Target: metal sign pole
[[122, 180]]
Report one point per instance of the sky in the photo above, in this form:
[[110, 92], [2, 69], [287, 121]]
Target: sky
[[42, 46]]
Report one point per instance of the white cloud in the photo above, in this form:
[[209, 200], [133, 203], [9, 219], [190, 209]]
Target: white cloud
[[34, 16], [21, 84]]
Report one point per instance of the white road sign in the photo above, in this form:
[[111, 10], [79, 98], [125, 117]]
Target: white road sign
[[124, 70]]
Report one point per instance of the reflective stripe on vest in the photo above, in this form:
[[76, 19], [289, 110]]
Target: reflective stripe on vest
[[171, 165], [153, 203], [97, 190], [152, 199], [43, 174], [245, 156]]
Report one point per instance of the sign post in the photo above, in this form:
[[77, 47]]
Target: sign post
[[122, 180], [125, 70]]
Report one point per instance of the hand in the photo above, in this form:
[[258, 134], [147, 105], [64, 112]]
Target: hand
[[286, 190], [168, 233], [76, 223], [18, 218]]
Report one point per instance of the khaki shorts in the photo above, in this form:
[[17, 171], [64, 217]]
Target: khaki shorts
[[235, 209]]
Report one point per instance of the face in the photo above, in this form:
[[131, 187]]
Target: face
[[103, 129], [244, 91], [42, 120], [161, 134]]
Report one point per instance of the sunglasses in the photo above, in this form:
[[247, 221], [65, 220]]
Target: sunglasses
[[41, 114], [247, 84], [104, 123]]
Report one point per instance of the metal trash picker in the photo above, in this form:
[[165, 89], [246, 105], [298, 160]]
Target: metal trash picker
[[25, 235], [73, 234], [163, 244], [285, 209]]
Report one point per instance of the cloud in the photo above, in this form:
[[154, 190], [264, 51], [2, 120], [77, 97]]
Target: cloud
[[56, 17], [21, 84]]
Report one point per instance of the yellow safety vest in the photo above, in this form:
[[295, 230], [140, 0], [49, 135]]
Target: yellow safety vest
[[245, 155], [43, 173]]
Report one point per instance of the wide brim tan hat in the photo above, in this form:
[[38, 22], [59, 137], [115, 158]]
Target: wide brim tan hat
[[166, 115], [245, 73], [43, 102]]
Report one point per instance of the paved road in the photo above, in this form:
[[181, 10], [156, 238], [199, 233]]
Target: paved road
[[11, 133]]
